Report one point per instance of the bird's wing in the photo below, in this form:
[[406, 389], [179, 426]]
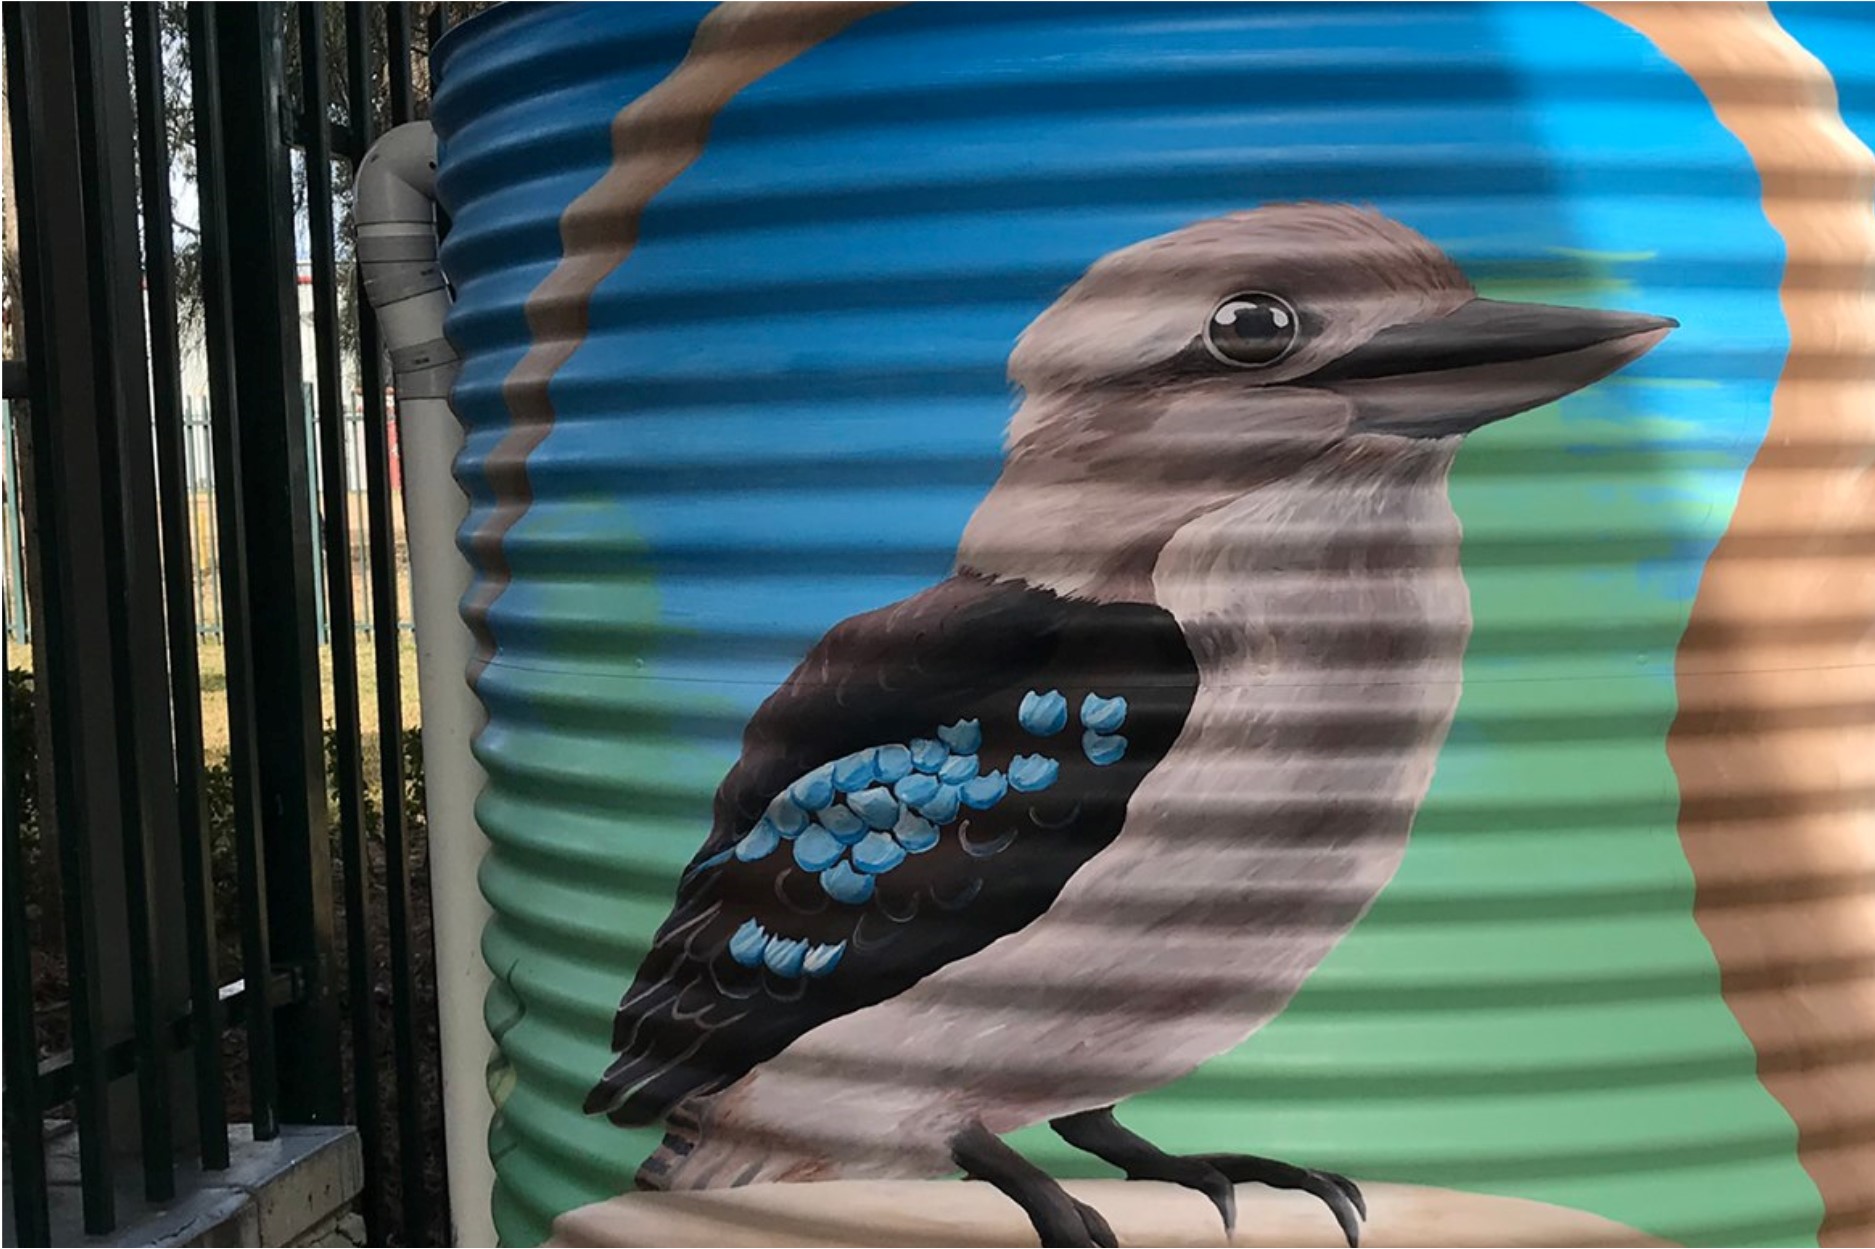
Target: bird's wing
[[925, 782]]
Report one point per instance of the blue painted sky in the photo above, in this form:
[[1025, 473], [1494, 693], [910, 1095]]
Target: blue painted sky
[[793, 394]]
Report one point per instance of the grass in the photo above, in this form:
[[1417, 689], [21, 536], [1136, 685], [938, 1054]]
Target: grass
[[214, 683]]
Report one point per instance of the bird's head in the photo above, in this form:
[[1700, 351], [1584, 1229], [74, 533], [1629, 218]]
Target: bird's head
[[1319, 348], [1243, 343]]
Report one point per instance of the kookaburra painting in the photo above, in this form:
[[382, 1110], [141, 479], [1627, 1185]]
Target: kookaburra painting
[[1172, 624], [1087, 813]]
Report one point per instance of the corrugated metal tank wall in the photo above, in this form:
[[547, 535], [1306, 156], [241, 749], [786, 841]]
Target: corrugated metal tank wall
[[773, 402]]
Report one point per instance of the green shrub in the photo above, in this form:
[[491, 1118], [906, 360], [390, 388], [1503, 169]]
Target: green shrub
[[22, 780], [22, 749]]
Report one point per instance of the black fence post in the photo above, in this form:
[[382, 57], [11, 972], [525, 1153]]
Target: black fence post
[[341, 633], [44, 114], [277, 505], [25, 1127], [25, 1130], [138, 661], [230, 524], [198, 921], [386, 638], [100, 663]]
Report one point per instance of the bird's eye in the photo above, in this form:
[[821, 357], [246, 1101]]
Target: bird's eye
[[1252, 330]]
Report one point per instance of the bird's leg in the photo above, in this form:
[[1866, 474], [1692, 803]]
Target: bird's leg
[[1059, 1219], [1097, 1132], [1100, 1134]]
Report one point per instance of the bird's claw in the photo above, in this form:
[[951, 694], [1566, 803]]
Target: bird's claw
[[1214, 1175], [1200, 1176], [1099, 1231], [1344, 1200], [1349, 1187], [1340, 1194], [1073, 1225]]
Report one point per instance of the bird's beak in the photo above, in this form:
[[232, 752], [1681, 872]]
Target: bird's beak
[[1483, 362]]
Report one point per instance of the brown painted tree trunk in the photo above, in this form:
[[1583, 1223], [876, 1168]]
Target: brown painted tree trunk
[[1774, 745]]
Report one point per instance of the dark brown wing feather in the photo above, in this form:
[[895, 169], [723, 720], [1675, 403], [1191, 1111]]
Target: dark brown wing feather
[[695, 1020]]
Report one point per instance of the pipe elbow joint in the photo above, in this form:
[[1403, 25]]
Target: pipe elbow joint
[[395, 215]]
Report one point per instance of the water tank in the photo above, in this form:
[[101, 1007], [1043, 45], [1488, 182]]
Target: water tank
[[1300, 573]]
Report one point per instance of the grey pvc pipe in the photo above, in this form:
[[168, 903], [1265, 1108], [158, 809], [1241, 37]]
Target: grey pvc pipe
[[397, 246]]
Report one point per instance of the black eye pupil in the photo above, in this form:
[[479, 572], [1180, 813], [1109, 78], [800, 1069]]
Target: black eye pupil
[[1251, 330]]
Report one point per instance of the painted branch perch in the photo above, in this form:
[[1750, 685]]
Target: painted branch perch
[[957, 1213]]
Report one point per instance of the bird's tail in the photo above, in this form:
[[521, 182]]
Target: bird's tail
[[682, 1131], [693, 1156]]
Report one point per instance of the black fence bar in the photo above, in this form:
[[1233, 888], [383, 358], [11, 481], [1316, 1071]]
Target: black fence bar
[[231, 533], [385, 640], [397, 51], [278, 507], [25, 1111], [173, 496], [25, 1131], [56, 331], [348, 763], [132, 564]]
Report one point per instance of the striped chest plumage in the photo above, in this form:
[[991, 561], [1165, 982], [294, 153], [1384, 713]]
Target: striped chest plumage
[[1326, 687]]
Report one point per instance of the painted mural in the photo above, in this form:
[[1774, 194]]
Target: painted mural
[[1140, 762], [994, 523]]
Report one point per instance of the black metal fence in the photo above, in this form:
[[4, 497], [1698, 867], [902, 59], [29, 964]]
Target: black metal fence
[[195, 938], [199, 515]]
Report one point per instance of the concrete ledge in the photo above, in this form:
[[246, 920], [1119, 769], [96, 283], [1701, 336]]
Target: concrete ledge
[[950, 1212], [276, 1192]]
